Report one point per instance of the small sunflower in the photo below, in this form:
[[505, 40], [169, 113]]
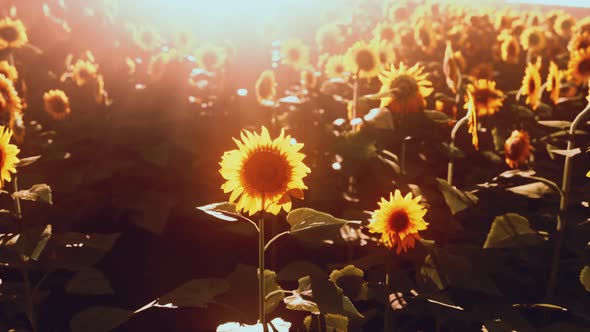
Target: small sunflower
[[579, 66], [329, 38], [399, 220], [579, 41], [564, 25], [263, 170], [554, 81], [451, 69], [84, 71], [384, 31], [405, 88], [472, 123], [266, 88], [13, 34], [425, 36], [336, 67], [8, 158], [57, 104], [510, 50], [8, 70], [517, 149], [486, 98], [364, 59], [210, 58], [10, 102], [386, 52], [161, 63], [295, 53], [533, 39], [531, 84]]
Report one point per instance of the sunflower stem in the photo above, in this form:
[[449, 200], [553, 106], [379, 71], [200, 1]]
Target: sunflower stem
[[355, 100], [561, 217], [261, 247], [456, 128], [387, 292], [19, 212]]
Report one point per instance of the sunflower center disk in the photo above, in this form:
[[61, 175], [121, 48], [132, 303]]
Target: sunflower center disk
[[532, 86], [534, 40], [266, 172], [398, 221], [404, 86], [365, 60], [9, 34], [57, 105], [516, 150], [584, 67]]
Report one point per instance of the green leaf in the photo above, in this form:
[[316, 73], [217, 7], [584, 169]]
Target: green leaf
[[351, 280], [311, 225], [89, 281], [271, 285], [224, 210], [74, 251], [99, 319], [196, 293], [535, 190], [45, 236], [566, 153], [37, 193], [336, 323], [437, 116], [456, 199], [555, 124], [302, 299], [585, 277], [510, 230], [331, 299], [27, 161]]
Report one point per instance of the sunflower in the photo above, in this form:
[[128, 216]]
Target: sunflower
[[451, 69], [364, 59], [146, 38], [531, 84], [386, 52], [579, 41], [309, 79], [554, 81], [210, 57], [8, 156], [336, 67], [10, 102], [13, 34], [160, 64], [510, 50], [425, 36], [517, 149], [263, 170], [329, 38], [8, 70], [579, 66], [57, 104], [266, 88], [564, 25], [486, 98], [384, 31], [583, 25], [84, 71], [399, 220], [295, 53], [533, 39], [472, 123], [404, 88]]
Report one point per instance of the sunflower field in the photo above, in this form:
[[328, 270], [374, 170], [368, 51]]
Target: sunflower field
[[382, 166]]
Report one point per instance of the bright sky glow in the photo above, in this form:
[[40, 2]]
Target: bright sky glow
[[568, 3]]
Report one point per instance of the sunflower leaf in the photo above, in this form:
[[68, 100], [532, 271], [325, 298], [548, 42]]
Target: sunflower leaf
[[99, 319], [311, 225], [27, 161], [89, 281], [555, 124], [585, 277], [510, 230], [196, 293], [456, 199], [37, 193], [224, 211]]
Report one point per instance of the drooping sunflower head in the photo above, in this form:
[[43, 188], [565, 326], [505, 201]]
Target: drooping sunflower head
[[384, 31], [486, 98], [579, 41], [8, 156], [554, 81], [364, 59], [517, 149], [564, 25], [533, 39], [579, 66], [472, 123], [451, 69], [336, 67], [264, 171], [266, 88], [210, 57], [403, 89], [531, 84], [84, 71], [57, 104], [146, 38], [510, 50], [10, 102], [13, 34], [399, 220], [329, 38], [295, 53], [308, 80], [8, 70]]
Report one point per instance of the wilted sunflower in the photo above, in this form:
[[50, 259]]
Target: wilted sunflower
[[564, 25], [84, 71], [266, 88], [487, 99], [579, 41], [264, 170], [472, 123], [510, 50], [451, 69], [364, 59], [13, 34], [336, 67], [531, 84], [554, 82], [404, 88], [517, 149], [57, 104], [579, 66], [399, 220], [533, 39], [10, 102], [8, 70], [309, 79], [8, 156], [329, 38], [295, 53], [384, 31], [210, 57]]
